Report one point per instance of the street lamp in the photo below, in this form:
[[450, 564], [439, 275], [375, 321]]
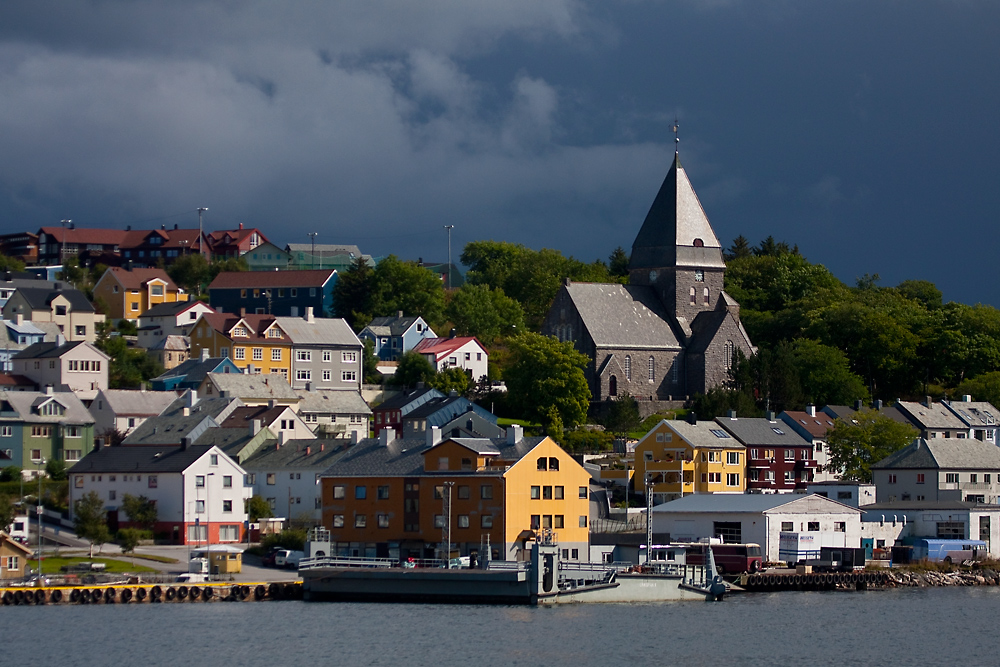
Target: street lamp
[[449, 228], [38, 512], [201, 233], [208, 518], [62, 250], [312, 251]]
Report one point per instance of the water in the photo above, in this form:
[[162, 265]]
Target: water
[[899, 627]]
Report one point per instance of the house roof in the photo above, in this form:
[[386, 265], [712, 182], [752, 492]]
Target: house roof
[[25, 403], [762, 432], [264, 279], [332, 401], [705, 434], [324, 249], [85, 235], [816, 426], [40, 298], [138, 278], [232, 440], [404, 457], [392, 325], [839, 411], [974, 413], [253, 386], [172, 425], [623, 316], [917, 505], [194, 370], [405, 398], [747, 502], [241, 417], [172, 343], [12, 380], [130, 402], [150, 459], [317, 455], [933, 416], [943, 453], [171, 308], [442, 347], [54, 350], [674, 226], [318, 331]]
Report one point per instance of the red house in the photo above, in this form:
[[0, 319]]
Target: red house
[[779, 460]]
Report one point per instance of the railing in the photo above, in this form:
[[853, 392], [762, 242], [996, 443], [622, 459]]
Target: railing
[[493, 469], [509, 565], [636, 523], [345, 561]]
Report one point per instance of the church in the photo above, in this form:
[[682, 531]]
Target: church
[[672, 331]]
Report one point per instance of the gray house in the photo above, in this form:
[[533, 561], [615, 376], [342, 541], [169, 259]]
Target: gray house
[[325, 353], [935, 469], [393, 336]]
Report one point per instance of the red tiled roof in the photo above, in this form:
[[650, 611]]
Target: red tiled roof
[[816, 426], [85, 235], [137, 278], [11, 380], [442, 347], [224, 322], [251, 279], [172, 238]]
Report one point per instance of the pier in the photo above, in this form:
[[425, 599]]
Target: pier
[[818, 581], [151, 593]]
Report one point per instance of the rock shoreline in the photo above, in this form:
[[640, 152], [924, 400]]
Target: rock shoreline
[[929, 579]]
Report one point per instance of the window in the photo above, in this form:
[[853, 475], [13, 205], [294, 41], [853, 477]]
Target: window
[[382, 493], [6, 431], [845, 495], [227, 505], [274, 332], [583, 492], [199, 507], [486, 521], [338, 520], [986, 479], [950, 478], [463, 520], [559, 493], [536, 492], [754, 454], [81, 330], [157, 290], [258, 354], [199, 481], [486, 492], [733, 458], [198, 533], [651, 370], [973, 478], [229, 533], [787, 526], [383, 520], [547, 522], [920, 478], [733, 479], [112, 494], [275, 354], [840, 526], [303, 375], [270, 479], [72, 454], [536, 521], [360, 492], [152, 481], [559, 522], [227, 481], [789, 454], [346, 357], [439, 521], [303, 355], [239, 332], [213, 459], [583, 521], [693, 296], [349, 376], [789, 476], [239, 353], [360, 521], [699, 276], [553, 463], [546, 493], [542, 463], [712, 477], [628, 367], [812, 526]]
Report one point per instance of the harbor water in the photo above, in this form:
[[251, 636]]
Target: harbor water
[[898, 626]]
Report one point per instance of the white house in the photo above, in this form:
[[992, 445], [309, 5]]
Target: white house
[[174, 318], [885, 524], [335, 413], [199, 492], [464, 352], [124, 409], [77, 366], [759, 518], [288, 476]]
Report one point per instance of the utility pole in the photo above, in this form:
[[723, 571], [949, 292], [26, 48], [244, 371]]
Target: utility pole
[[312, 237], [38, 512], [446, 501], [62, 248], [449, 228], [201, 233]]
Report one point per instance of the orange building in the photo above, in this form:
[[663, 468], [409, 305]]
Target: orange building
[[255, 343], [129, 294], [389, 497]]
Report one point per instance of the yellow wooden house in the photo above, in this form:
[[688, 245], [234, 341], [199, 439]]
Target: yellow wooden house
[[255, 343], [130, 293], [679, 458]]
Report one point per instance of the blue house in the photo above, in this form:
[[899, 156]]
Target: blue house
[[15, 337], [393, 336], [279, 293], [191, 373], [449, 413]]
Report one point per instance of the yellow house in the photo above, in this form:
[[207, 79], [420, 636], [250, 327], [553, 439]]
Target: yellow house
[[130, 293], [255, 343], [389, 497], [680, 458]]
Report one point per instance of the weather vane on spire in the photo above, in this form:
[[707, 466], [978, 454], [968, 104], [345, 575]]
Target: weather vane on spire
[[677, 139]]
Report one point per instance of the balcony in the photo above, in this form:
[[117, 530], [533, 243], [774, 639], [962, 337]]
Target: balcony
[[677, 465]]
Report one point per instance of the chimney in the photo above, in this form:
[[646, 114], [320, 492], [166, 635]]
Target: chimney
[[386, 436], [769, 415], [241, 225], [453, 332], [877, 404], [928, 401], [692, 418], [322, 446], [272, 403], [453, 393], [204, 354], [60, 340], [48, 390], [309, 314], [811, 410], [731, 414], [966, 398], [185, 443], [243, 312], [433, 435], [254, 427], [399, 314], [420, 385], [192, 398], [858, 404], [281, 438], [175, 226], [186, 412], [19, 318], [515, 432], [309, 386], [309, 450], [355, 437]]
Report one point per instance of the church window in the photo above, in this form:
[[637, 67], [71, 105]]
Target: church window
[[628, 367], [613, 386], [652, 369], [693, 297], [728, 351], [675, 370], [698, 243], [699, 276], [705, 293]]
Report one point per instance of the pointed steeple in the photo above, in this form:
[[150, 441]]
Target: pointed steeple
[[676, 232]]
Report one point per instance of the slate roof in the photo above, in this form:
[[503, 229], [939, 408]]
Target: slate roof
[[172, 343], [150, 460], [320, 331], [193, 370], [171, 308], [296, 454], [231, 440], [839, 411], [171, 425], [392, 325], [943, 453], [623, 316], [255, 387], [705, 434], [41, 298], [137, 278], [402, 400], [975, 413], [53, 350], [242, 416], [934, 416], [129, 402], [404, 457], [737, 503], [264, 279], [816, 426], [675, 219], [23, 403], [761, 432], [332, 401]]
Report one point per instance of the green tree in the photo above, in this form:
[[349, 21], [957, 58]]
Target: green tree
[[56, 470], [484, 312], [140, 510], [190, 272], [451, 379], [229, 265], [985, 387], [868, 437], [545, 381], [410, 288], [718, 401], [412, 368], [129, 367], [128, 540], [825, 374], [7, 511], [618, 262], [90, 521], [355, 294], [623, 416], [10, 264], [921, 291], [370, 361], [258, 508], [10, 474], [739, 249]]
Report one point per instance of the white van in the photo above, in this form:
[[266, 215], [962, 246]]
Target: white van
[[288, 559]]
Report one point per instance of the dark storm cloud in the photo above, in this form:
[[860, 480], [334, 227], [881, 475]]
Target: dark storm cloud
[[860, 131]]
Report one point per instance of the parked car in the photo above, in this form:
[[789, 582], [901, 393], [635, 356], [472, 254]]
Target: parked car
[[288, 559], [192, 578], [268, 559]]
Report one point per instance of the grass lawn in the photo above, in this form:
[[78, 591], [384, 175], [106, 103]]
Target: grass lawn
[[504, 421], [156, 559], [54, 565]]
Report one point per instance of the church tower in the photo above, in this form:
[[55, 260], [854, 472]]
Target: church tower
[[677, 252]]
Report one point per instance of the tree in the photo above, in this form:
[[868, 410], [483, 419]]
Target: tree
[[10, 474], [10, 264], [258, 508], [985, 387], [868, 437], [825, 374], [128, 540], [484, 312], [545, 380], [623, 416], [140, 510], [90, 521], [739, 249], [7, 512], [354, 294], [190, 272], [412, 368], [369, 361], [410, 288], [618, 262], [56, 469], [129, 367], [451, 379]]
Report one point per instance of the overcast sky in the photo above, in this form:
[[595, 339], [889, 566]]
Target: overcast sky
[[863, 131]]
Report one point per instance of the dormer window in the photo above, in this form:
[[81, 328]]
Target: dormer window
[[698, 243], [240, 332]]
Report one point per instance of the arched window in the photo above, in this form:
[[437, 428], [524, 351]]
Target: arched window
[[652, 369], [628, 367], [675, 369], [728, 352], [613, 386], [705, 293], [693, 297], [698, 243]]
